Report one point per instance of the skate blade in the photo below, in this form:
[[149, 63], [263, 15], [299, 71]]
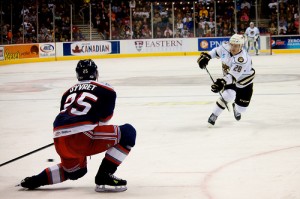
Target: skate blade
[[209, 125], [237, 118], [107, 188], [230, 107]]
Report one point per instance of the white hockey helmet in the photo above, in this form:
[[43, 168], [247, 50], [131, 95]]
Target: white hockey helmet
[[237, 39]]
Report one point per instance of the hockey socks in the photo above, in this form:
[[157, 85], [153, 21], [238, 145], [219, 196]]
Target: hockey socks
[[113, 158], [50, 175], [105, 180], [55, 174]]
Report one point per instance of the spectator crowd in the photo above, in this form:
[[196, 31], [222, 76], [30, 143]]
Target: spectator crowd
[[34, 21]]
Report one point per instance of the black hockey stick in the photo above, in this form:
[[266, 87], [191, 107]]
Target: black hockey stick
[[22, 156], [219, 91]]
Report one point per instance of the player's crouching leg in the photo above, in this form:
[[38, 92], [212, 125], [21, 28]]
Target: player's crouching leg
[[105, 180], [128, 136], [76, 174], [51, 175]]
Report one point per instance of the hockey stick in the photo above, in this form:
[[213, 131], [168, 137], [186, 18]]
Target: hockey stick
[[22, 156], [219, 91]]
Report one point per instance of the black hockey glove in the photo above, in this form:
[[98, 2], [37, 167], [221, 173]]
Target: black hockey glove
[[203, 60], [218, 85]]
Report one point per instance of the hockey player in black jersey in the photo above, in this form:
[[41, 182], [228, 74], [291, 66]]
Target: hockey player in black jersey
[[80, 130]]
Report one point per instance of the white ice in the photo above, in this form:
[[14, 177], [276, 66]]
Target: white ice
[[168, 100]]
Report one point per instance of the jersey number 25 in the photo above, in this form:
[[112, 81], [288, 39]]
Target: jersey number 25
[[79, 102]]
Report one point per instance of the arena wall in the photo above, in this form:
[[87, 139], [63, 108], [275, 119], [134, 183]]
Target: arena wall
[[44, 52]]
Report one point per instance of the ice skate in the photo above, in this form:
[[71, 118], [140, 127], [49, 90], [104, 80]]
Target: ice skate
[[30, 183], [212, 119], [237, 115], [106, 182]]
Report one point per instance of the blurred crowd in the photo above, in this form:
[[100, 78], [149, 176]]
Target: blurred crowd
[[50, 20]]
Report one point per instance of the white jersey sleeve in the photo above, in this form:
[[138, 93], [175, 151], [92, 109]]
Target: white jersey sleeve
[[218, 51]]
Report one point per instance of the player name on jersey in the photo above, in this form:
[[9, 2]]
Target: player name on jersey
[[79, 87]]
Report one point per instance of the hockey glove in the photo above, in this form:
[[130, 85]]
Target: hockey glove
[[203, 60], [218, 85]]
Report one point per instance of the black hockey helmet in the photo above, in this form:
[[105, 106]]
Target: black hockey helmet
[[86, 69]]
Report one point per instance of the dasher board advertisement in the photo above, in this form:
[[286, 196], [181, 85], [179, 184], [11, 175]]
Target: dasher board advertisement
[[91, 48]]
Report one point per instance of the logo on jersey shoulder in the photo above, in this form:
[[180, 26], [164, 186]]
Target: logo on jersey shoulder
[[226, 68], [241, 59]]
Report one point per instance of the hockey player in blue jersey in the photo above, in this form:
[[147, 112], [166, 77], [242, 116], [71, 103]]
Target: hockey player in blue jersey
[[80, 130]]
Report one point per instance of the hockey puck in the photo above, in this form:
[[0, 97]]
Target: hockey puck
[[50, 160]]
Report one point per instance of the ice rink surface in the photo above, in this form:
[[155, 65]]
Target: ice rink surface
[[168, 100]]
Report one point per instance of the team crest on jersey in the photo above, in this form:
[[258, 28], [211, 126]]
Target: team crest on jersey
[[226, 68], [241, 59]]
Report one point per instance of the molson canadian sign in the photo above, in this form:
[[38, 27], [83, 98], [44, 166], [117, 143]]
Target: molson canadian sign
[[91, 48]]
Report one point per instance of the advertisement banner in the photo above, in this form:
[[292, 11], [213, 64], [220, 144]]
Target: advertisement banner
[[21, 51], [156, 45], [287, 42], [47, 50], [1, 53], [207, 44], [91, 48]]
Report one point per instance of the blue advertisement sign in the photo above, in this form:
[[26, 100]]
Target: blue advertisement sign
[[206, 44], [91, 48], [291, 42]]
